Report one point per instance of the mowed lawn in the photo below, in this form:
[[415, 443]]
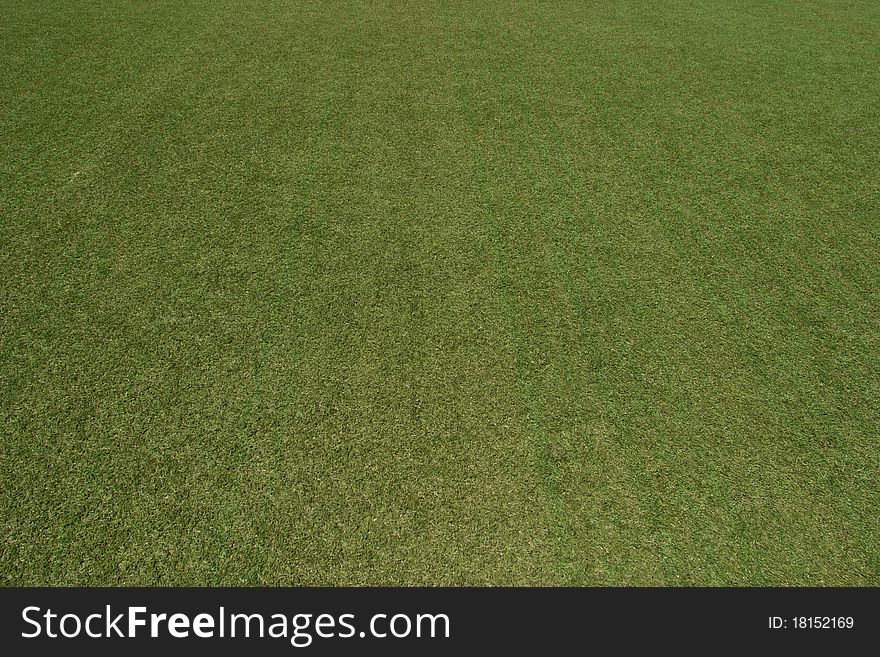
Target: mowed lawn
[[501, 292]]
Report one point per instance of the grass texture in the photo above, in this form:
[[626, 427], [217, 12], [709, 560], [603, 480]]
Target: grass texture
[[414, 292]]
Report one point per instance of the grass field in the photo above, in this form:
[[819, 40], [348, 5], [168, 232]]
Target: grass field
[[440, 292]]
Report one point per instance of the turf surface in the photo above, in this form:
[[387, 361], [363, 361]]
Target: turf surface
[[439, 292]]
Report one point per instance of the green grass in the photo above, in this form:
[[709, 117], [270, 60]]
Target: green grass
[[440, 292]]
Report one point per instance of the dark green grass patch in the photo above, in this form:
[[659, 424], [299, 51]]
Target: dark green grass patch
[[439, 292]]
